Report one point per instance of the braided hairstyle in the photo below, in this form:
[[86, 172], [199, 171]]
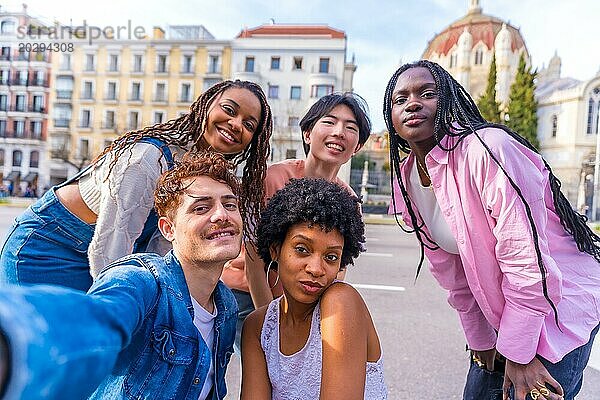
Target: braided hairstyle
[[188, 130], [458, 116]]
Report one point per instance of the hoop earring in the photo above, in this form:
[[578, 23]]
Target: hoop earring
[[276, 268]]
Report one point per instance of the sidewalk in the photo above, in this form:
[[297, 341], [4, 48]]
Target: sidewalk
[[22, 202]]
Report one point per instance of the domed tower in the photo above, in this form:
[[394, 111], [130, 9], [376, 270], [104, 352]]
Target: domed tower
[[466, 46]]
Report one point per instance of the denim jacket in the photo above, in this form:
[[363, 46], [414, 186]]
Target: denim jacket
[[132, 334]]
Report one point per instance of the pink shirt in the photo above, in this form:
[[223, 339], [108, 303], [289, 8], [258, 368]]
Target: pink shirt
[[495, 283]]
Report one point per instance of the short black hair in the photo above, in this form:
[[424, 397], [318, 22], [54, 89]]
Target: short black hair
[[315, 201], [325, 104]]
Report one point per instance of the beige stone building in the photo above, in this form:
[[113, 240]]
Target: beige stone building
[[111, 86]]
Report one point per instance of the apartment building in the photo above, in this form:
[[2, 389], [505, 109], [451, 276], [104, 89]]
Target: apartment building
[[109, 87], [295, 65], [24, 90]]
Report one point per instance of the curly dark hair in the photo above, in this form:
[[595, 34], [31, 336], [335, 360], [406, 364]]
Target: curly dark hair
[[188, 130], [318, 202], [171, 185]]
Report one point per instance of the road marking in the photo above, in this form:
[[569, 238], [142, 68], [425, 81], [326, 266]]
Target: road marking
[[378, 254], [378, 287]]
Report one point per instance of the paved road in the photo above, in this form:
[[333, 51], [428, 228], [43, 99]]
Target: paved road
[[421, 337]]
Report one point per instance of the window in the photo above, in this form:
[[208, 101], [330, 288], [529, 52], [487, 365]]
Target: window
[[324, 65], [64, 87], [85, 119], [65, 62], [3, 102], [554, 125], [160, 94], [7, 27], [293, 122], [137, 63], [478, 57], [453, 60], [1, 157], [593, 112], [208, 83], [90, 62], [36, 129], [213, 65], [159, 117], [109, 119], [275, 61], [133, 119], [17, 158], [22, 77], [2, 128], [88, 90], [19, 128], [34, 159], [136, 91], [38, 104], [161, 63], [111, 91], [5, 53], [39, 78], [84, 149], [4, 77], [319, 91], [273, 91], [295, 92], [290, 153], [186, 91], [187, 66], [113, 63], [249, 65], [297, 62], [62, 115], [20, 102]]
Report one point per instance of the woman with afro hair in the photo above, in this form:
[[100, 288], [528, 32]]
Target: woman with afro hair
[[318, 339]]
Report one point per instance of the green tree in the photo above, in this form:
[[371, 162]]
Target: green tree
[[522, 105], [487, 104]]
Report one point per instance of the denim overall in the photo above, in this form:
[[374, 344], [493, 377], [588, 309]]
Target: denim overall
[[48, 244]]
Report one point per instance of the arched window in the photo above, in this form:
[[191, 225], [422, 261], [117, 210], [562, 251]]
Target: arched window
[[1, 157], [17, 158], [34, 159], [554, 125], [453, 60], [593, 112]]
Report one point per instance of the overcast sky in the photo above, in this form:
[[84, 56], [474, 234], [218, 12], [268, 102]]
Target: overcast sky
[[381, 34]]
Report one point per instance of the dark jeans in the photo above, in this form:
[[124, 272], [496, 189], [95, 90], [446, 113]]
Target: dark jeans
[[482, 384], [245, 306]]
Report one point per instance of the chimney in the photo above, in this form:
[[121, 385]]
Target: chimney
[[158, 33]]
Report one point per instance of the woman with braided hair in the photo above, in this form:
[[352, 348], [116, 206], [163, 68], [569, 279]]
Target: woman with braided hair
[[107, 210], [520, 265]]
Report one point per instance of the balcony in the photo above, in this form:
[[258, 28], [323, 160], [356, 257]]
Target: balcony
[[25, 134], [37, 109], [18, 108], [64, 94], [62, 123], [5, 57]]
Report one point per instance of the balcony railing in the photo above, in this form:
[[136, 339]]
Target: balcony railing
[[64, 94], [25, 82], [62, 123], [25, 134], [37, 109]]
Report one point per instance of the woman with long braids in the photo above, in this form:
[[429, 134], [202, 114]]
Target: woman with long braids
[[520, 265], [107, 210]]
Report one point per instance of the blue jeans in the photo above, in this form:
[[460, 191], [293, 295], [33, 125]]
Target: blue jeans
[[47, 244], [485, 385], [245, 307]]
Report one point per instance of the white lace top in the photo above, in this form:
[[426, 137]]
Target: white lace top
[[298, 376]]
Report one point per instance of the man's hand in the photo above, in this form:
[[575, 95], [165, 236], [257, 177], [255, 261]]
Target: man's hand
[[530, 379], [485, 358]]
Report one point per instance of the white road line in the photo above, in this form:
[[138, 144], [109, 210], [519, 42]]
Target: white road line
[[378, 254], [378, 287]]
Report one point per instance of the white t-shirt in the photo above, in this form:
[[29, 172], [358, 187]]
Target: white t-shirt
[[205, 322], [431, 213]]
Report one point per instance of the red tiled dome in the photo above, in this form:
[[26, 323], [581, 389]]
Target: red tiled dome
[[482, 27]]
